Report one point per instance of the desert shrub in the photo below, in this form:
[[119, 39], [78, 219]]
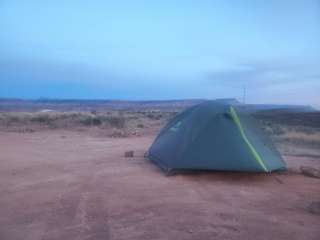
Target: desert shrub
[[96, 121], [14, 118], [85, 120], [118, 134], [40, 118], [154, 116], [116, 121], [277, 130], [302, 142], [307, 130], [75, 115], [140, 125], [267, 129], [273, 129], [90, 121], [150, 115], [134, 117]]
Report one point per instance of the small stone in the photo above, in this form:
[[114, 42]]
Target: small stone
[[314, 208], [129, 154]]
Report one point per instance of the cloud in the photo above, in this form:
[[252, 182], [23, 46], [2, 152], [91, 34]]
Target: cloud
[[264, 74]]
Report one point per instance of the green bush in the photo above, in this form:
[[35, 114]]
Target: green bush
[[277, 130], [41, 118], [154, 116], [85, 120], [114, 121], [96, 122]]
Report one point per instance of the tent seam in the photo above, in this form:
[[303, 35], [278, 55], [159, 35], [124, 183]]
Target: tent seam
[[250, 146]]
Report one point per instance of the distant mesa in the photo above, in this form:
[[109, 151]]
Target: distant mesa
[[251, 108], [49, 105]]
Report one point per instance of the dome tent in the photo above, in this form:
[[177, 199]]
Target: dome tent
[[215, 136]]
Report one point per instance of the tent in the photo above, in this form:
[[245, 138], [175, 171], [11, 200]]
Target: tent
[[215, 136]]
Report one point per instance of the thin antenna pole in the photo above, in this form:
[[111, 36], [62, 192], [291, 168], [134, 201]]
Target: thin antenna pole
[[244, 94]]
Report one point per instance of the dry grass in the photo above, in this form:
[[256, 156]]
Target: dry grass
[[125, 123], [60, 119], [300, 138], [294, 134], [121, 122]]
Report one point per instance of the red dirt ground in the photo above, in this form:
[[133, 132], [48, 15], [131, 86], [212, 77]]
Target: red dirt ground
[[70, 185]]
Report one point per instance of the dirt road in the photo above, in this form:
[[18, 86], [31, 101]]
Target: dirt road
[[69, 185]]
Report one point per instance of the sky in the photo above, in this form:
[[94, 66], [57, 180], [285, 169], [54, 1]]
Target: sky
[[169, 49]]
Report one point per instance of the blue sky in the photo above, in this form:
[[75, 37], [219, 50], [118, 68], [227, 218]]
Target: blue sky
[[161, 49]]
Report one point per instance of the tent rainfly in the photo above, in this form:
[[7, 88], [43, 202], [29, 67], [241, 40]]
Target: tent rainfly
[[215, 136]]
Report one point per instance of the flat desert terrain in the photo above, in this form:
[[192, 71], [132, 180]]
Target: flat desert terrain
[[76, 184]]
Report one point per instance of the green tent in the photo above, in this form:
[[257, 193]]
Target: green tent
[[215, 136]]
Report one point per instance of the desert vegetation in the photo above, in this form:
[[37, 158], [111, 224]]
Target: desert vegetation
[[117, 121], [291, 131], [295, 133]]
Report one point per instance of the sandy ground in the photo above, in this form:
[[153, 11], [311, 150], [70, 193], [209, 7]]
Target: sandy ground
[[70, 185]]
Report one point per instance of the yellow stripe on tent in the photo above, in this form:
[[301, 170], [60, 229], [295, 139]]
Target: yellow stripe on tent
[[252, 149]]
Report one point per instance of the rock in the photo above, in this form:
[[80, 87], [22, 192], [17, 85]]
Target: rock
[[314, 208], [118, 134], [310, 172], [129, 154]]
